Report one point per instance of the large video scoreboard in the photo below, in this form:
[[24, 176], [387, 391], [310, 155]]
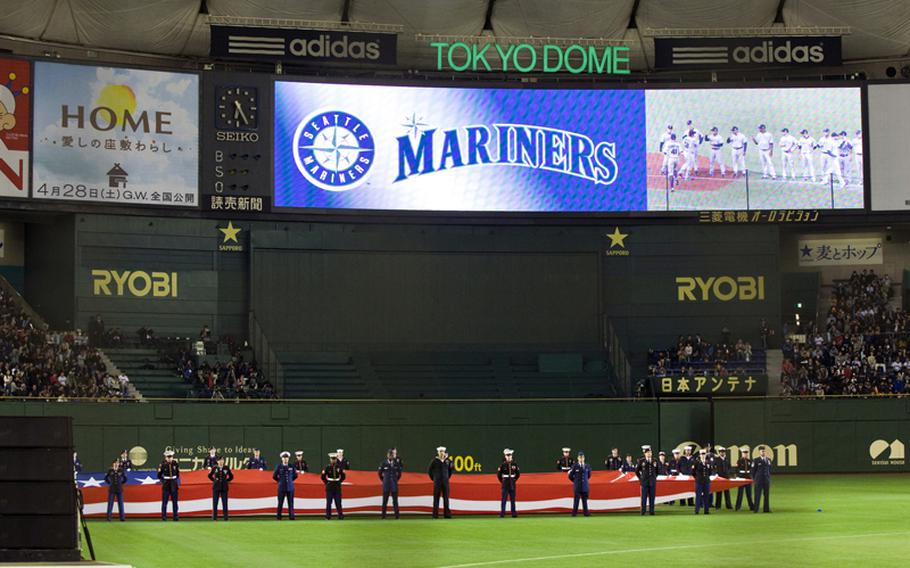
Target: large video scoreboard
[[255, 144]]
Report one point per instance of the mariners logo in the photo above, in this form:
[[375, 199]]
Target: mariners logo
[[333, 150]]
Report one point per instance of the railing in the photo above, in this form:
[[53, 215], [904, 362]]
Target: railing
[[37, 320], [265, 355]]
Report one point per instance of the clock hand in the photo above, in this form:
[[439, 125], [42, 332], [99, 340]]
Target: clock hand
[[239, 111]]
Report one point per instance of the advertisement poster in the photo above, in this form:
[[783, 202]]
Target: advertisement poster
[[114, 135], [15, 105]]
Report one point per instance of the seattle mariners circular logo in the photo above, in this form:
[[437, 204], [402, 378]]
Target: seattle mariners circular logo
[[333, 150]]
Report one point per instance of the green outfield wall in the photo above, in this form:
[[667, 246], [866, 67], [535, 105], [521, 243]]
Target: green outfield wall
[[842, 435]]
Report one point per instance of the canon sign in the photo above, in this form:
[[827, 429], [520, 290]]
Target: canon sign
[[718, 53], [301, 46]]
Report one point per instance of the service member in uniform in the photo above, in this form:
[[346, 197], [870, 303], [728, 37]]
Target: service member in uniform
[[221, 476], [285, 474], [333, 476], [566, 462], [580, 476], [299, 463], [397, 458], [628, 466], [673, 468], [440, 471], [744, 471], [646, 471], [169, 475], [342, 461], [722, 468], [257, 461], [389, 474], [702, 470], [115, 479], [614, 462], [761, 473], [663, 468], [210, 460], [508, 473], [685, 468], [77, 464], [126, 464]]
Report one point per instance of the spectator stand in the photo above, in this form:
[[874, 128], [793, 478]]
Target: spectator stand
[[862, 348]]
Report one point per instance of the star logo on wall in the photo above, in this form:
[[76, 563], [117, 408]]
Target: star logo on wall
[[617, 239], [806, 250], [230, 232]]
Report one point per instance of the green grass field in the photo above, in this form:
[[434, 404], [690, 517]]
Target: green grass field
[[864, 520]]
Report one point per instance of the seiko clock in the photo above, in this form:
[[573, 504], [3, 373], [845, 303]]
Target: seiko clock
[[237, 108]]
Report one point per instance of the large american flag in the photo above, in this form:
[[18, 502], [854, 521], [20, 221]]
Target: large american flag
[[255, 493]]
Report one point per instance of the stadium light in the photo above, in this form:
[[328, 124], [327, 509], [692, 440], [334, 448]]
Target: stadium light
[[284, 23], [529, 40], [769, 31]]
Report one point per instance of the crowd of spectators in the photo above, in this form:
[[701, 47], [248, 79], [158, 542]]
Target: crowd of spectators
[[211, 377], [36, 362], [693, 355], [863, 349]]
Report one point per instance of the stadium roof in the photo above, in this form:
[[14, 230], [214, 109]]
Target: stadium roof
[[877, 29]]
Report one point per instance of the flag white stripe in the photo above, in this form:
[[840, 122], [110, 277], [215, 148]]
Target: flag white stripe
[[240, 505]]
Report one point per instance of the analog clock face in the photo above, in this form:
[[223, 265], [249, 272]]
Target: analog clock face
[[236, 108]]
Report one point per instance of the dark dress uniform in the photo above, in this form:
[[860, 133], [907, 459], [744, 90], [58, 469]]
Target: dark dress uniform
[[209, 462], [285, 476], [169, 475], [221, 478], [440, 471], [344, 463], [647, 472], [614, 463], [627, 467], [77, 466], [301, 466], [508, 473], [580, 474], [663, 468], [702, 471], [761, 473], [744, 471], [564, 463], [389, 474], [257, 463], [115, 480], [332, 476], [673, 469], [722, 468], [126, 465], [685, 468]]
